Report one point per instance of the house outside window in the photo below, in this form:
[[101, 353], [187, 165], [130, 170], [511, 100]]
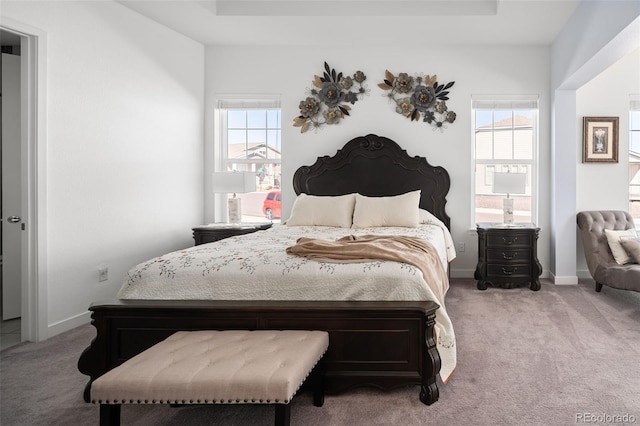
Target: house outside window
[[634, 159], [250, 141], [505, 136]]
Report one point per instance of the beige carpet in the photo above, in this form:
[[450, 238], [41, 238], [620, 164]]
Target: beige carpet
[[551, 357]]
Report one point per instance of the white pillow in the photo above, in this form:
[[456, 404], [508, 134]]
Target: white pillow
[[613, 238], [313, 210], [399, 210]]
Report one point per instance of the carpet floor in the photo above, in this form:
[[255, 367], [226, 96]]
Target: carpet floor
[[561, 356]]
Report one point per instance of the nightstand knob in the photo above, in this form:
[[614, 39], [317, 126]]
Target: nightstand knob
[[506, 272], [504, 256]]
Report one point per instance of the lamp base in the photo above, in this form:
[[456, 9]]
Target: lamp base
[[507, 211], [235, 210]]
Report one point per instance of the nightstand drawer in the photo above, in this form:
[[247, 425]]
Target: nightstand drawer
[[509, 270], [508, 255], [509, 239]]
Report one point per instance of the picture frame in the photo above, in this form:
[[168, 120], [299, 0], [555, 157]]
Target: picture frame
[[600, 139]]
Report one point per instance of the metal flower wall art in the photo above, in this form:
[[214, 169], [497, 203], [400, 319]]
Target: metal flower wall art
[[329, 98], [420, 98]]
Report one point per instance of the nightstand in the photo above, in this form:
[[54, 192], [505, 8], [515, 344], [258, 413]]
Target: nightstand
[[218, 231], [508, 256]]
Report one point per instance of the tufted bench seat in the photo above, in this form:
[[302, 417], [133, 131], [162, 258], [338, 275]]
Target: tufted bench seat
[[217, 367]]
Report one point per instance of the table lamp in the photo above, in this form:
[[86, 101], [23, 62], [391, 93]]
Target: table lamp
[[509, 183], [234, 182]]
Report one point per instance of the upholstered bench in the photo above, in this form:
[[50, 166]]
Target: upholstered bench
[[217, 367]]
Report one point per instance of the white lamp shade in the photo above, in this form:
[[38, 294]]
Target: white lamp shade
[[234, 182], [509, 183]]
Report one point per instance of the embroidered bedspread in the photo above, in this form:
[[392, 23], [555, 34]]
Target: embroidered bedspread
[[256, 267], [369, 248]]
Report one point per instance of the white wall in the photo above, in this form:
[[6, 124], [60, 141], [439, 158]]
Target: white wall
[[288, 71], [605, 186], [579, 54], [124, 146]]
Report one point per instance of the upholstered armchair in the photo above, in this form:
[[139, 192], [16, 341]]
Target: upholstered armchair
[[600, 261]]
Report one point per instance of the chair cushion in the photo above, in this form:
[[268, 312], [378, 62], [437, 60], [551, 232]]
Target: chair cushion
[[624, 277], [231, 366]]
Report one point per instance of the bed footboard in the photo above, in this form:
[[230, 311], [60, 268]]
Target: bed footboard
[[381, 344]]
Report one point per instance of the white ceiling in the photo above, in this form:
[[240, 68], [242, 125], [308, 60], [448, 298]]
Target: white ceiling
[[361, 22]]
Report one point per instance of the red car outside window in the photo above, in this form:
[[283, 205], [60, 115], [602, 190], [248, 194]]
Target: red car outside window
[[271, 207]]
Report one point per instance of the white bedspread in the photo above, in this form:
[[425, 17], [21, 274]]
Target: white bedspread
[[256, 267]]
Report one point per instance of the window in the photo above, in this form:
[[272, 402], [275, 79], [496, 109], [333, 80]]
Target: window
[[250, 141], [634, 159], [505, 134]]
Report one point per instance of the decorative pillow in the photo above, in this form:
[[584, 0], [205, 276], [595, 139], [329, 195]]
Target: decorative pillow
[[399, 210], [322, 211], [632, 246], [613, 238]]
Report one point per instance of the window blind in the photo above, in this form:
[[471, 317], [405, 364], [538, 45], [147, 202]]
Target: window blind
[[266, 102], [634, 102], [504, 101]]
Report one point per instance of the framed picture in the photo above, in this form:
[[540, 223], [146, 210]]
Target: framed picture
[[600, 140]]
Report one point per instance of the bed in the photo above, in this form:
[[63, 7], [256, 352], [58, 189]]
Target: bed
[[383, 343]]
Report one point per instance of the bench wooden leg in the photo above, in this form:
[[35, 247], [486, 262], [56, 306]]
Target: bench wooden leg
[[317, 383], [109, 414], [283, 414]]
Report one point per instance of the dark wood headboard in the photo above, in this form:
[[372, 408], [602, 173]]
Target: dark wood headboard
[[376, 166]]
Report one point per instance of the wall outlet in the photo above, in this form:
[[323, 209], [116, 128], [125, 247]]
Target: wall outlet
[[461, 247], [103, 273]]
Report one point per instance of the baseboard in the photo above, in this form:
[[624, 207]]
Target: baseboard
[[584, 274], [462, 273], [68, 324], [563, 280]]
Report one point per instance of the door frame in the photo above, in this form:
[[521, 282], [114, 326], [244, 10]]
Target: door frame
[[33, 50]]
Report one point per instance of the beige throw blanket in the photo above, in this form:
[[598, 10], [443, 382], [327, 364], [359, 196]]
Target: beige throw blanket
[[367, 248]]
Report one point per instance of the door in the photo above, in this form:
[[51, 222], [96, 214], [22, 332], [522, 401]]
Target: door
[[11, 189]]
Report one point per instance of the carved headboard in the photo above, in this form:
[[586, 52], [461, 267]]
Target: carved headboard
[[376, 166]]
